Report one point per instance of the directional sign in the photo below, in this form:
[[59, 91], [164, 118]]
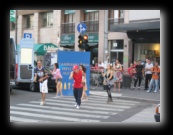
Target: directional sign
[[27, 35], [12, 15], [81, 28]]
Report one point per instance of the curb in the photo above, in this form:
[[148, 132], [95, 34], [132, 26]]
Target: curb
[[119, 96]]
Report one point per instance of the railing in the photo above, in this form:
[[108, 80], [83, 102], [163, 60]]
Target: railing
[[67, 28], [114, 21], [92, 26]]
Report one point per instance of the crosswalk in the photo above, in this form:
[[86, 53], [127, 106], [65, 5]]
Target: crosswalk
[[63, 110]]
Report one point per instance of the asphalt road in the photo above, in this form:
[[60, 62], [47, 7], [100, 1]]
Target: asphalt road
[[25, 107]]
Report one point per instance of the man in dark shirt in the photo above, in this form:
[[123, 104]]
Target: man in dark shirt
[[139, 74], [42, 77]]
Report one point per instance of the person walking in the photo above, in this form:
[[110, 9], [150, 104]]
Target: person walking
[[41, 76], [155, 77], [58, 79], [108, 81], [148, 73], [139, 74], [84, 82], [76, 75], [117, 74]]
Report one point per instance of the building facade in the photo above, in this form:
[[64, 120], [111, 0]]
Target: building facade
[[111, 33]]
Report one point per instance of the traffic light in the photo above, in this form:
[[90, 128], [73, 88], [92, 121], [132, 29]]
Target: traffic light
[[80, 39], [83, 40]]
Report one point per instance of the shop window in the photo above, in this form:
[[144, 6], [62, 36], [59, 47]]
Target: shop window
[[117, 44]]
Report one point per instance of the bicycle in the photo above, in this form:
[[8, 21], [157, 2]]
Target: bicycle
[[95, 81]]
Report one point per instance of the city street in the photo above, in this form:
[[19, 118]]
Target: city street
[[25, 107]]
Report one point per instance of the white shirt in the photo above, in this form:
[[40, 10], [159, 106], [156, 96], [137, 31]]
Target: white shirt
[[148, 66], [101, 65]]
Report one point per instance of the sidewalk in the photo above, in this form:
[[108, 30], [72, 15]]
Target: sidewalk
[[127, 93]]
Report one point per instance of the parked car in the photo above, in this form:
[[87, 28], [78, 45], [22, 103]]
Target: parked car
[[157, 113]]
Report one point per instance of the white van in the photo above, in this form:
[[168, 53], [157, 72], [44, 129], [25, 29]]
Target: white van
[[13, 62]]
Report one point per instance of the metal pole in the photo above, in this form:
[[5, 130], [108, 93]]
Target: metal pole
[[105, 51], [16, 28]]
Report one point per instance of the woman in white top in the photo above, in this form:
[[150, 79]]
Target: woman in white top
[[117, 74]]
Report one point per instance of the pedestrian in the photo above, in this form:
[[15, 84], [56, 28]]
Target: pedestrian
[[155, 77], [139, 74], [42, 77], [84, 82], [77, 74], [108, 81], [148, 73], [117, 74], [130, 70], [58, 79], [134, 69]]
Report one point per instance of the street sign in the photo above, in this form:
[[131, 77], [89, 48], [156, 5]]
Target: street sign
[[12, 15], [81, 27], [27, 35]]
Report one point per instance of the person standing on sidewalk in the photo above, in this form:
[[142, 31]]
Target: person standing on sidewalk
[[148, 73], [117, 74], [108, 81], [58, 79], [42, 77], [155, 76], [77, 74], [139, 74]]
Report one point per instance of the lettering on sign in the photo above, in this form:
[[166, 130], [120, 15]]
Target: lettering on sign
[[48, 47], [67, 37]]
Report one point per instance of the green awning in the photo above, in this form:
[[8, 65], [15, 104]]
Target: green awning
[[69, 12], [41, 49]]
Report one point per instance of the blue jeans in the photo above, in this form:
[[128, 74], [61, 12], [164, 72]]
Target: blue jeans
[[152, 81], [78, 95], [158, 84]]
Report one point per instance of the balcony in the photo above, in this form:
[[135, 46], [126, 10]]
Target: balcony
[[92, 26], [67, 28], [115, 21]]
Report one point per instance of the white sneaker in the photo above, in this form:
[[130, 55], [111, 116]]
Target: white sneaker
[[42, 103], [77, 107]]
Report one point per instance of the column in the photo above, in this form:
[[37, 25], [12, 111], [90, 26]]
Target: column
[[101, 50], [79, 17], [37, 24], [55, 38], [19, 28]]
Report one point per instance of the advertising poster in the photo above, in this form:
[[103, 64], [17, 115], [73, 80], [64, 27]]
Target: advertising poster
[[66, 61]]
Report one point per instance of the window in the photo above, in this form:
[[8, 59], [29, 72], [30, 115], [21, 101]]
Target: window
[[69, 18], [47, 19], [90, 16], [13, 25], [117, 44], [116, 14], [91, 20], [29, 21]]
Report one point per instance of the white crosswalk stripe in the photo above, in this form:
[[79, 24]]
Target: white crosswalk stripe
[[63, 110]]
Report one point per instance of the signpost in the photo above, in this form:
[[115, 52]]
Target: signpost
[[81, 27], [27, 35]]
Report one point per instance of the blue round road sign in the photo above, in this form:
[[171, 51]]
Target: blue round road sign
[[81, 27]]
